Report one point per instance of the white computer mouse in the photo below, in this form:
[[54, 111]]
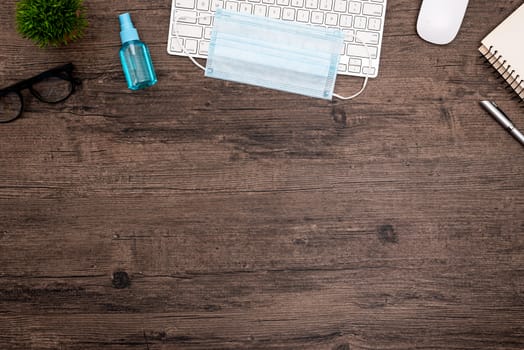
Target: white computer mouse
[[439, 20]]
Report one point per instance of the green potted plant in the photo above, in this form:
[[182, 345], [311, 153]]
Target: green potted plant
[[51, 22]]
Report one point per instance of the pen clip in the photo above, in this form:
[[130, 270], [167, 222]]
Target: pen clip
[[501, 111]]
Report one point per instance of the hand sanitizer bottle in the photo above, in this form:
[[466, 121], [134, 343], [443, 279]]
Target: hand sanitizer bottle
[[135, 57]]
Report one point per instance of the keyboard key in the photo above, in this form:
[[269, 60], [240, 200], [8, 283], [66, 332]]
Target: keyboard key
[[268, 1], [317, 17], [303, 16], [203, 5], [186, 16], [191, 45], [274, 12], [331, 19], [365, 63], [311, 4], [355, 62], [260, 10], [188, 30], [374, 23], [372, 10], [349, 34], [297, 3], [354, 69], [186, 4], [231, 5], [346, 21], [367, 70], [283, 2], [246, 7], [359, 22], [326, 5], [340, 5], [216, 4], [368, 37], [354, 7], [288, 14], [203, 48], [176, 45], [206, 20], [360, 51]]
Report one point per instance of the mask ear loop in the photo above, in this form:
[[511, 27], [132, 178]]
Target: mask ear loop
[[175, 21], [366, 78]]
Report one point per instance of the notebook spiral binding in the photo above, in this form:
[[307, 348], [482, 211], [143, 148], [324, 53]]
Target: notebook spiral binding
[[513, 83]]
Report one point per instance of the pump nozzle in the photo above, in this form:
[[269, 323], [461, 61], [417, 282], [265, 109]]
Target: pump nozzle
[[128, 31]]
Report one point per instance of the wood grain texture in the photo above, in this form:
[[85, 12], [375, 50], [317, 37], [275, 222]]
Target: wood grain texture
[[202, 214]]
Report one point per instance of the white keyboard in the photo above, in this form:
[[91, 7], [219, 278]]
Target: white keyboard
[[363, 18]]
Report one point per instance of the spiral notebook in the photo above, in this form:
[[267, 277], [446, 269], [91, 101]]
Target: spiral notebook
[[503, 48]]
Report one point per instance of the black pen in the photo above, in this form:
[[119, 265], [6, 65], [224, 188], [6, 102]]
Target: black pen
[[502, 119]]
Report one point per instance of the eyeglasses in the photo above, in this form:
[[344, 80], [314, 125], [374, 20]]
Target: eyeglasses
[[52, 86]]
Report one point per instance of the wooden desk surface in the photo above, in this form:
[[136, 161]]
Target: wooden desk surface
[[202, 214]]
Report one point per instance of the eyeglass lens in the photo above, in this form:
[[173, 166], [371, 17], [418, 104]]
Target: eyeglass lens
[[10, 106], [52, 89]]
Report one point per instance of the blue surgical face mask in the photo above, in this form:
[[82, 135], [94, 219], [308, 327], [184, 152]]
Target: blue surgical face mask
[[275, 54]]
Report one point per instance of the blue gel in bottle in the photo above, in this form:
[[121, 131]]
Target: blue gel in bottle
[[135, 57]]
